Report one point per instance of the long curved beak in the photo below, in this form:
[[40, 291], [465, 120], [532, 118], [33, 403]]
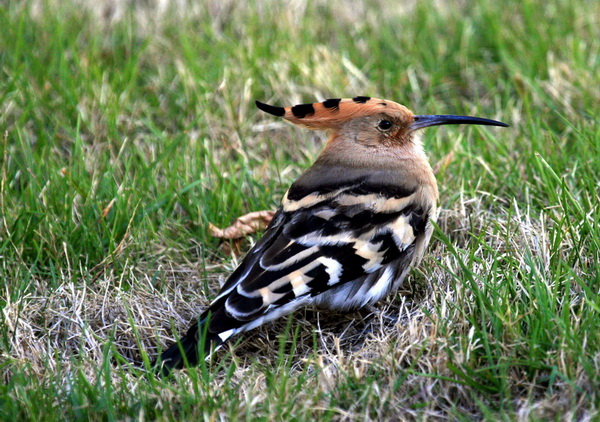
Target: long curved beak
[[425, 120]]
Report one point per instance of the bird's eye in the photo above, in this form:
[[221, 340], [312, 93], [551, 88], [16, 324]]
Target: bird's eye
[[384, 125]]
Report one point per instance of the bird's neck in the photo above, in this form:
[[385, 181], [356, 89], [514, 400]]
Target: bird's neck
[[341, 151], [398, 165]]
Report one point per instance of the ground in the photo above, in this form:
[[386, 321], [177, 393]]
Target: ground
[[129, 127]]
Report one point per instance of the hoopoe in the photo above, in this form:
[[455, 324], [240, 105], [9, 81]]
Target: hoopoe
[[348, 230]]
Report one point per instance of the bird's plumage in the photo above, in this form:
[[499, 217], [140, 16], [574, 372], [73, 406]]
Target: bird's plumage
[[347, 232]]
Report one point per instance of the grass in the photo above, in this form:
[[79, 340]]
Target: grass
[[127, 129]]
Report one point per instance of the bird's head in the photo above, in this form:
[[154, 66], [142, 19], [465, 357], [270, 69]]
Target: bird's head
[[369, 121], [368, 131]]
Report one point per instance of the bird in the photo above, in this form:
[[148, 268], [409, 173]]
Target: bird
[[347, 232]]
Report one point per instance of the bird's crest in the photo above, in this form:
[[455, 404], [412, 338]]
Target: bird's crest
[[331, 113]]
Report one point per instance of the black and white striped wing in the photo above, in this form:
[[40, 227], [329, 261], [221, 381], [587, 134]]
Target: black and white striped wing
[[337, 248]]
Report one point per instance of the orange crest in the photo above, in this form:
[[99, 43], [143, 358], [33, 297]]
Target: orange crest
[[331, 113]]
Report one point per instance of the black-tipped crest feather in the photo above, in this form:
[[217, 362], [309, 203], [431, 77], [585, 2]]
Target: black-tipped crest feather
[[275, 111], [303, 110]]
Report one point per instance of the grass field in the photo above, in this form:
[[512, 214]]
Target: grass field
[[128, 127]]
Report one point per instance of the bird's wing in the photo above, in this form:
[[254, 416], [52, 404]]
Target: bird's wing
[[322, 239]]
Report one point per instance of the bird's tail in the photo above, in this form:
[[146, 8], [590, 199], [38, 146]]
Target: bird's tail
[[187, 351]]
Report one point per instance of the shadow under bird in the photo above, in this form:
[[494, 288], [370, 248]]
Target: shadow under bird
[[347, 232]]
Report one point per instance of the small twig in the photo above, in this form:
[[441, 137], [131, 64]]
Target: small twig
[[243, 226]]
